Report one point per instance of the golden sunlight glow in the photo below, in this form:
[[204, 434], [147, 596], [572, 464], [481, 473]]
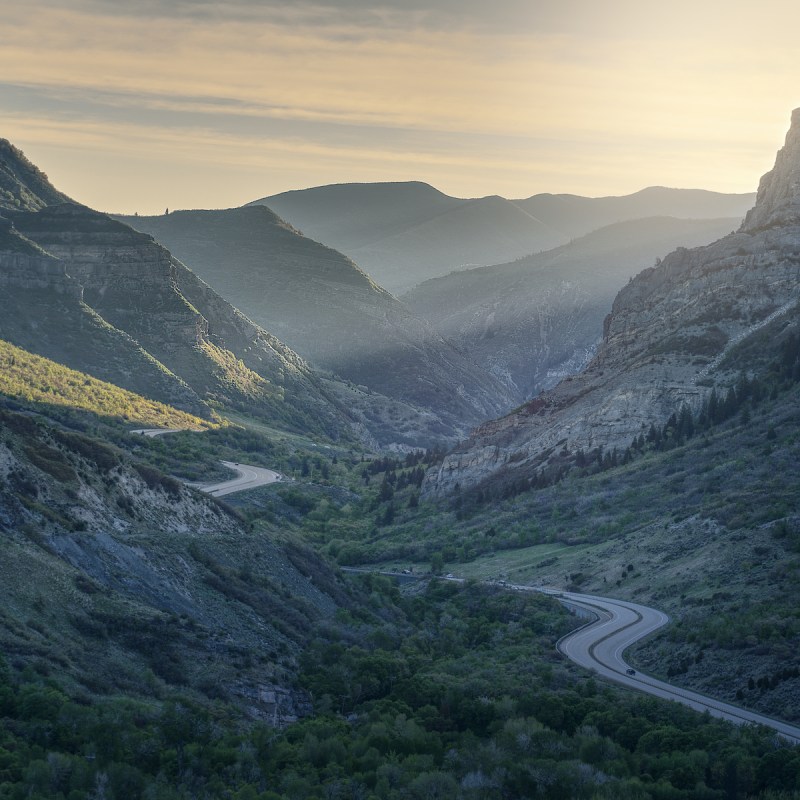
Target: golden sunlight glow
[[134, 113]]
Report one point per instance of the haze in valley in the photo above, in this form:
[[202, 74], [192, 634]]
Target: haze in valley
[[399, 399]]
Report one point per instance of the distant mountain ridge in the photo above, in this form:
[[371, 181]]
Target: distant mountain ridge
[[574, 215], [537, 319], [405, 233], [326, 308], [670, 340]]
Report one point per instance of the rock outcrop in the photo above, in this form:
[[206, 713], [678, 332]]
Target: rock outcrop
[[23, 186], [664, 345], [534, 321], [778, 198]]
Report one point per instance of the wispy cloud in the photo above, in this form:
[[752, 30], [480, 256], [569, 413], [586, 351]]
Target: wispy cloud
[[511, 97]]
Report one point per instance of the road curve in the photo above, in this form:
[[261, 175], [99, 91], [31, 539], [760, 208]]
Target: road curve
[[153, 432], [600, 644], [248, 477]]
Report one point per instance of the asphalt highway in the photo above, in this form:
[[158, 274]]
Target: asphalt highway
[[599, 646], [153, 432], [248, 478]]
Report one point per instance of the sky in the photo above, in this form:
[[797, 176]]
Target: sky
[[141, 105]]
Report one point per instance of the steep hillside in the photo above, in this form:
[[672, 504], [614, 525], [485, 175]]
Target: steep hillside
[[121, 580], [664, 345], [23, 186], [298, 395], [322, 305], [538, 319], [405, 233], [91, 293], [104, 299]]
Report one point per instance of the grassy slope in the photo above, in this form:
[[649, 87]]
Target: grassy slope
[[29, 377], [117, 579]]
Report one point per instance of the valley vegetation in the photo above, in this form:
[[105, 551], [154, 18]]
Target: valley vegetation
[[447, 693], [157, 643]]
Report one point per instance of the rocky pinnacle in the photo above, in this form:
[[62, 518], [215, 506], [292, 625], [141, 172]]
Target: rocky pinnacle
[[671, 338], [778, 200]]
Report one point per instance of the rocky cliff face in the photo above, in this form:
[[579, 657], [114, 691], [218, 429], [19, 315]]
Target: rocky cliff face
[[127, 279], [778, 199], [664, 344], [536, 320], [42, 309], [24, 266]]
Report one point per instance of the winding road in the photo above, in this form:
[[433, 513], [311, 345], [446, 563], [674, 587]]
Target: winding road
[[248, 477], [600, 644]]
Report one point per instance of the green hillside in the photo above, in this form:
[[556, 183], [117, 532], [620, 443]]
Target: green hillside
[[703, 523], [29, 377]]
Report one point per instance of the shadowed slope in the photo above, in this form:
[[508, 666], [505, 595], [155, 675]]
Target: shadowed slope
[[533, 321], [326, 308]]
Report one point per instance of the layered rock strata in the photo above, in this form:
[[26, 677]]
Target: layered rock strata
[[664, 344]]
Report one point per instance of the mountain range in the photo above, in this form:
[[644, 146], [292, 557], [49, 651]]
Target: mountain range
[[155, 640], [674, 339], [405, 233], [327, 309]]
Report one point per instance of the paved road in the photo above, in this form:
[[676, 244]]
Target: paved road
[[248, 478], [153, 432], [599, 646]]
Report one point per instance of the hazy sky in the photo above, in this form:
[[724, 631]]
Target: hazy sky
[[138, 105]]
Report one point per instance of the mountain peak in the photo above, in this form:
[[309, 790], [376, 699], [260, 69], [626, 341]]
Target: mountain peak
[[23, 186], [778, 199]]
